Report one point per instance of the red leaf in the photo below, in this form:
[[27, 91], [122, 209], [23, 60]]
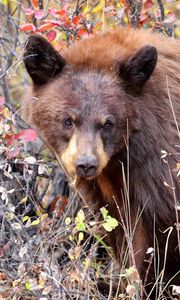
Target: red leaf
[[35, 3], [60, 12], [53, 22], [98, 26], [56, 13], [51, 35], [143, 19], [27, 135], [27, 27], [1, 101], [76, 20], [10, 138], [45, 27], [52, 12], [123, 2], [82, 31], [39, 14], [148, 4]]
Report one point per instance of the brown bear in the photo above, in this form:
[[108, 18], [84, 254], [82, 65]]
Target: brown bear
[[109, 107]]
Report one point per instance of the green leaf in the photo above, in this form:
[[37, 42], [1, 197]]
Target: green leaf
[[130, 271], [81, 227], [28, 286], [79, 220], [107, 227], [110, 223], [104, 212], [80, 216]]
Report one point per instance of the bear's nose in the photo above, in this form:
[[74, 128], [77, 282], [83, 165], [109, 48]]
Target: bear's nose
[[86, 166]]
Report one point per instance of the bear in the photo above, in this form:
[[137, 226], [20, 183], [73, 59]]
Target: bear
[[108, 106]]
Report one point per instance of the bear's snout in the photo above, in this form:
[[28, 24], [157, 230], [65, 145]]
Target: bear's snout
[[86, 166]]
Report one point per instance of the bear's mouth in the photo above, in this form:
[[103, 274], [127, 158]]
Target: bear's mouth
[[88, 178]]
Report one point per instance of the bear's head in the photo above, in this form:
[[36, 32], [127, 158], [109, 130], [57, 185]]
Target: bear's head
[[84, 114]]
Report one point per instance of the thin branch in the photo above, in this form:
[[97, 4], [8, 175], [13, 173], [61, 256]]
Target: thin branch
[[136, 8], [161, 7]]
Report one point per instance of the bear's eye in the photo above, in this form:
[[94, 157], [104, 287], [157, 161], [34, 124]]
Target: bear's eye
[[107, 126], [68, 123]]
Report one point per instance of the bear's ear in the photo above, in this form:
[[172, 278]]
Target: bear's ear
[[138, 69], [41, 60]]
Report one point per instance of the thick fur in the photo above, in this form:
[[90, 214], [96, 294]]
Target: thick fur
[[128, 77]]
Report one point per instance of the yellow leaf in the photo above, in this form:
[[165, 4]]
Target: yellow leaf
[[67, 220], [11, 216], [35, 222], [4, 2], [43, 217], [23, 200], [25, 218], [177, 32], [16, 282], [99, 7], [70, 238], [63, 36], [40, 211], [28, 286], [80, 237], [6, 113], [85, 9]]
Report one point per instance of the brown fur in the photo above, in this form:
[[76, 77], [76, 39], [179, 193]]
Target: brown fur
[[98, 82]]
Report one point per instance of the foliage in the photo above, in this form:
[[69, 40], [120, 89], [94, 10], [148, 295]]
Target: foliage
[[63, 24]]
